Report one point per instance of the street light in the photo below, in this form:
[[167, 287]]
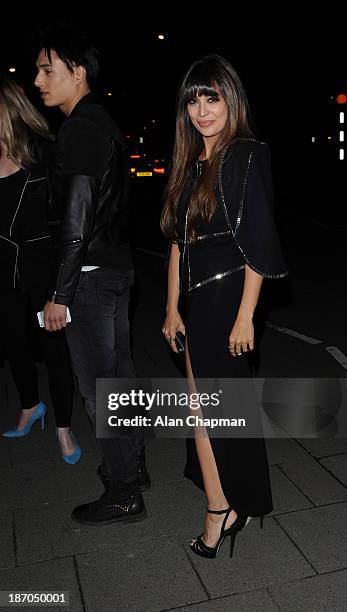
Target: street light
[[341, 98]]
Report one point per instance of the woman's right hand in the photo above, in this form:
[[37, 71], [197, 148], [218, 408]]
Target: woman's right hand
[[172, 324]]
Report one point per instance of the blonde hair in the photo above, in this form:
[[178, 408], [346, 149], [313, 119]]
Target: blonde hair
[[21, 125]]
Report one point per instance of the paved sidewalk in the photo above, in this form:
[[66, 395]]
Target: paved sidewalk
[[297, 562]]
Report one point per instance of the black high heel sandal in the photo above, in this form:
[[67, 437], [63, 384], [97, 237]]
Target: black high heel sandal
[[211, 552]]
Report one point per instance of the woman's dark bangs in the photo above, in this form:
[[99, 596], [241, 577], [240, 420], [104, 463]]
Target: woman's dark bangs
[[200, 82], [199, 89]]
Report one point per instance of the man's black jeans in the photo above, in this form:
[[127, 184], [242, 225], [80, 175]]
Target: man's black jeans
[[99, 342]]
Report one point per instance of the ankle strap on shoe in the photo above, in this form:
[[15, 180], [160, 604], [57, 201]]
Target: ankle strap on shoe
[[228, 510]]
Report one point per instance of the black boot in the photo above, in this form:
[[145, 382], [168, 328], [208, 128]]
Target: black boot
[[115, 505], [142, 474]]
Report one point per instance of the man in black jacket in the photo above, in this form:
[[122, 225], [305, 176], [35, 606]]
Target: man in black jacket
[[94, 265]]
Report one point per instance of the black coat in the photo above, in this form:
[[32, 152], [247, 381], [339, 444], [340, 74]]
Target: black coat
[[90, 184], [26, 246]]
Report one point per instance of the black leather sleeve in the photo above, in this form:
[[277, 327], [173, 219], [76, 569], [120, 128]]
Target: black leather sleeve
[[75, 229], [255, 231]]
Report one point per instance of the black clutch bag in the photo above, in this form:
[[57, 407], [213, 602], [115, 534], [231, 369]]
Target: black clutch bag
[[180, 341]]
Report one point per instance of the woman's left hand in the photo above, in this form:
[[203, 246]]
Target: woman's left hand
[[241, 336]]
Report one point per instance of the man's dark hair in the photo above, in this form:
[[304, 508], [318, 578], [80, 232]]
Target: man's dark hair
[[72, 45]]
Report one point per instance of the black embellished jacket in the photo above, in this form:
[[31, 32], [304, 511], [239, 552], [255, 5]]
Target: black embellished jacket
[[25, 232], [242, 229]]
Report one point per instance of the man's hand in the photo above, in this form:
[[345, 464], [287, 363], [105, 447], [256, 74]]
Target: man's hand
[[54, 316]]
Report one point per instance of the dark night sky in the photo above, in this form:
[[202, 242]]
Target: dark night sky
[[289, 68]]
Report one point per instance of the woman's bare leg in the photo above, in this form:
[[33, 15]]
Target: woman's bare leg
[[67, 446], [216, 499]]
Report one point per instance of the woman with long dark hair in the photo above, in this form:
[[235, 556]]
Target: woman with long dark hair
[[218, 217], [25, 259]]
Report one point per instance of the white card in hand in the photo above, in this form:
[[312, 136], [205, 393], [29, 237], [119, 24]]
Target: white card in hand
[[41, 317]]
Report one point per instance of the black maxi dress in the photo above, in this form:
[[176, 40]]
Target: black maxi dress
[[211, 310]]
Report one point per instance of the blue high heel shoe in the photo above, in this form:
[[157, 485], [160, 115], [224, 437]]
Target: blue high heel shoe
[[75, 456], [40, 413]]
